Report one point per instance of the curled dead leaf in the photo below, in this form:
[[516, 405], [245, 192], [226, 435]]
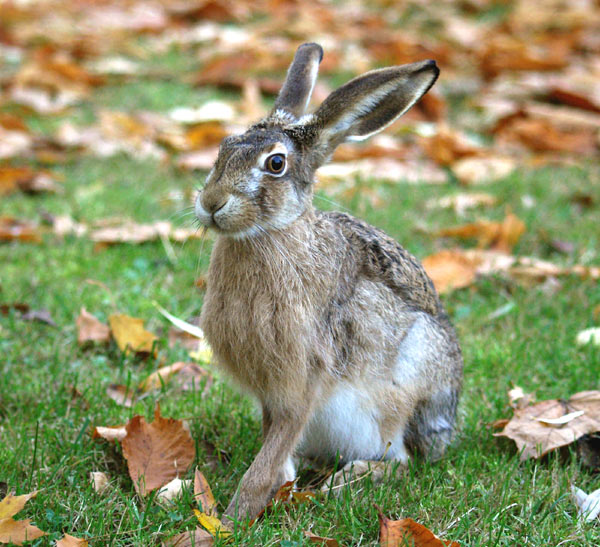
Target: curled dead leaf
[[545, 426], [109, 433], [203, 495], [99, 481]]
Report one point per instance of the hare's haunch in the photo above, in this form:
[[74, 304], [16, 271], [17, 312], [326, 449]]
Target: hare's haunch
[[331, 324]]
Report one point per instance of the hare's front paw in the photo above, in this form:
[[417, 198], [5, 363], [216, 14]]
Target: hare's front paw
[[357, 470]]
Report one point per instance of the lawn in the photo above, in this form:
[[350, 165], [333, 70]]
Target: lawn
[[53, 391]]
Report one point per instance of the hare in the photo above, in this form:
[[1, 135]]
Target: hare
[[327, 321]]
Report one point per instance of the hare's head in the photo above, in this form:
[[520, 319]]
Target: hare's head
[[262, 179]]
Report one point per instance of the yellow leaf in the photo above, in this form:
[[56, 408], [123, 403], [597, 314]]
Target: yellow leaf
[[71, 541], [212, 524], [129, 333], [18, 531], [11, 505]]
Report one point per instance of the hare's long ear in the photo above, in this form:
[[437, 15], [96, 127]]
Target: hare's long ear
[[367, 104], [300, 80]]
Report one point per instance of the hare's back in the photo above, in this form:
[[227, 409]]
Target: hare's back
[[384, 260]]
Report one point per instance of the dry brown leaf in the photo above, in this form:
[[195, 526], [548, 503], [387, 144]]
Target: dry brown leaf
[[71, 541], [328, 542], [156, 452], [448, 146], [121, 395], [399, 533], [501, 236], [287, 496], [90, 329], [449, 270], [12, 229], [130, 335], [160, 377], [110, 433], [193, 538], [203, 495], [191, 376], [547, 425]]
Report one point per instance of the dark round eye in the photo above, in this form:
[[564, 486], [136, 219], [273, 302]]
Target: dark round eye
[[275, 164]]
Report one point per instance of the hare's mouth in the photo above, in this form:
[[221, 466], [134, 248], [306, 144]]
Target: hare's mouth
[[228, 217]]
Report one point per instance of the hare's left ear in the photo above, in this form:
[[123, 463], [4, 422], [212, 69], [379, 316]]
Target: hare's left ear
[[365, 105], [300, 81]]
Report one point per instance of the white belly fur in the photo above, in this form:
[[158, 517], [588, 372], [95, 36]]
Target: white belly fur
[[348, 422]]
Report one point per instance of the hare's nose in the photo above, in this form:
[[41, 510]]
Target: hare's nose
[[212, 204]]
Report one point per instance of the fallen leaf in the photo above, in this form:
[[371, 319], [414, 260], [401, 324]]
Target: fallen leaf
[[90, 329], [449, 270], [129, 333], [288, 496], [541, 428], [501, 236], [99, 480], [481, 170], [122, 395], [588, 505], [191, 376], [328, 542], [589, 336], [398, 533], [110, 433], [12, 229], [203, 495], [214, 525], [192, 538], [41, 316], [160, 377], [156, 452], [16, 531], [71, 541], [173, 489], [447, 146]]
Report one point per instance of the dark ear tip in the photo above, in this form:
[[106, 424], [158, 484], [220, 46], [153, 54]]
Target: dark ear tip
[[313, 46], [431, 65]]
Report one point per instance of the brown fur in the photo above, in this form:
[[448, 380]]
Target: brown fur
[[301, 304]]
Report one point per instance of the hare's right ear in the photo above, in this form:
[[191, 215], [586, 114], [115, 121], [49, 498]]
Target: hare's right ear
[[300, 81], [366, 105]]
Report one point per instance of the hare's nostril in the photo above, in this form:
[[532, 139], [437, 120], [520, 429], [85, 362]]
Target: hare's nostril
[[212, 206]]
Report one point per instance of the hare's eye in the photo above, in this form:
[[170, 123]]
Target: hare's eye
[[275, 164]]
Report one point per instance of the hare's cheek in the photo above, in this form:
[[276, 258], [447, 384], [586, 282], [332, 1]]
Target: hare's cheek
[[286, 207]]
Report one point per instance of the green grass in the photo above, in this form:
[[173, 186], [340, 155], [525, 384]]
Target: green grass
[[480, 494]]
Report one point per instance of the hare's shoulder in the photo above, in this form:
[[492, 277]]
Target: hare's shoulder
[[383, 259]]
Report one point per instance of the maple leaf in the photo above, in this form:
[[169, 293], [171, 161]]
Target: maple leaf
[[156, 452], [130, 335], [16, 531], [545, 426]]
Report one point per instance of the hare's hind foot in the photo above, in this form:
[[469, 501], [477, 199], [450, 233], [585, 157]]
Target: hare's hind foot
[[357, 470], [431, 428]]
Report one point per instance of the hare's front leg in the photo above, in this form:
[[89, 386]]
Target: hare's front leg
[[272, 465]]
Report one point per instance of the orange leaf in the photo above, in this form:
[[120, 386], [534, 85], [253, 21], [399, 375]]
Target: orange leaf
[[449, 270], [328, 542], [18, 531], [404, 532], [160, 376], [71, 541], [203, 494], [12, 229], [156, 452]]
